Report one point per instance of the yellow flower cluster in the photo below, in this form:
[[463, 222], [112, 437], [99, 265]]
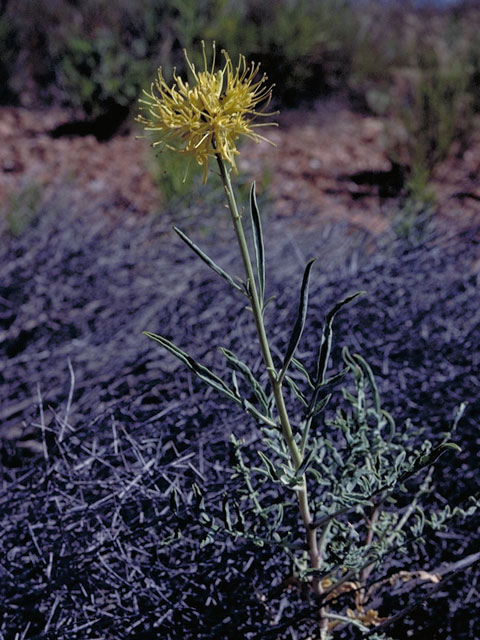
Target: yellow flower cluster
[[206, 118]]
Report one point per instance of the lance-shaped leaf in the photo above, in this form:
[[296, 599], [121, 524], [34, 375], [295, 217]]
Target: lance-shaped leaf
[[294, 387], [198, 495], [306, 462], [424, 461], [300, 321], [322, 363], [236, 388], [298, 365], [174, 505], [240, 516], [246, 372], [208, 261], [327, 384], [320, 405], [270, 468], [279, 447], [277, 523], [227, 517], [313, 409], [371, 379], [202, 372], [333, 380], [326, 343], [391, 424], [458, 415], [352, 363], [252, 410], [258, 243]]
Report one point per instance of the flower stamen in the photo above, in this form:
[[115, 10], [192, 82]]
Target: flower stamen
[[206, 119]]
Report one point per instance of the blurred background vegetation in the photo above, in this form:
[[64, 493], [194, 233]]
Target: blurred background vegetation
[[418, 66]]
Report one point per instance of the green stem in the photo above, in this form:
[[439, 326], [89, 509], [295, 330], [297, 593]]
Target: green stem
[[247, 263], [296, 454], [366, 571]]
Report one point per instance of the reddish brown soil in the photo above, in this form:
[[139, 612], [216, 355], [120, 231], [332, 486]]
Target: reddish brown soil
[[316, 151], [111, 175]]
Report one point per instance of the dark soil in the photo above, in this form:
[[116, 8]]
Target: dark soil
[[100, 426]]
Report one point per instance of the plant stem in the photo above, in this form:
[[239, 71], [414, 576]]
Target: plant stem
[[256, 306], [366, 571]]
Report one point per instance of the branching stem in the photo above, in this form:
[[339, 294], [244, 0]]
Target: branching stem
[[276, 383]]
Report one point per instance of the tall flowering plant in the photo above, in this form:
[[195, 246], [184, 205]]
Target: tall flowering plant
[[344, 485]]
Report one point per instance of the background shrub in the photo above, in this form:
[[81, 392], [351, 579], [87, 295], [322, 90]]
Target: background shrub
[[96, 56]]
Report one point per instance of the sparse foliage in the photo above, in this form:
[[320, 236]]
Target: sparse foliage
[[344, 476]]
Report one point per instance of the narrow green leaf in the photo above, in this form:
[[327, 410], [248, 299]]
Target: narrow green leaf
[[208, 261], [336, 308], [391, 424], [300, 321], [371, 379], [246, 372], [202, 372], [174, 501], [298, 365], [306, 462], [313, 409], [211, 379], [326, 343], [235, 383], [227, 518], [198, 495], [314, 406], [240, 516], [267, 302], [320, 406], [458, 415], [250, 408], [351, 362], [294, 387], [427, 460], [258, 243], [278, 447], [323, 356], [270, 467], [330, 382], [279, 518]]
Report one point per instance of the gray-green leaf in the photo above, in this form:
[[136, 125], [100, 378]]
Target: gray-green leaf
[[258, 243], [246, 372], [300, 321], [201, 371], [208, 261]]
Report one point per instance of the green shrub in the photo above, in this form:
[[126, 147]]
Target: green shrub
[[21, 209], [99, 72], [89, 51], [433, 112]]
